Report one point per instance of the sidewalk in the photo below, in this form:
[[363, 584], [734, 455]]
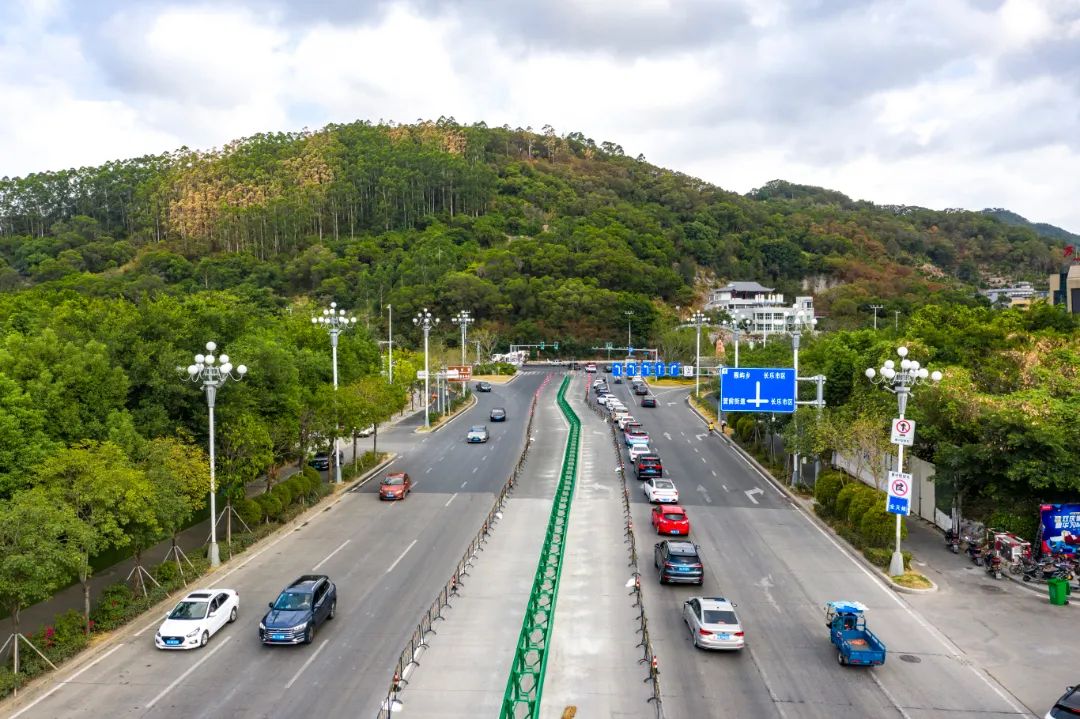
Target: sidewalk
[[593, 661], [464, 670], [191, 541]]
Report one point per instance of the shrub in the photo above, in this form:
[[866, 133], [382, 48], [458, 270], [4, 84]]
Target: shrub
[[881, 557], [863, 500], [167, 573], [826, 489], [283, 493], [744, 427], [270, 504], [249, 510], [114, 606], [9, 682], [1024, 525], [878, 527], [844, 497], [297, 487], [312, 476]]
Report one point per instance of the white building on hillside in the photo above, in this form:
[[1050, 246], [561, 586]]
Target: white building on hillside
[[760, 309]]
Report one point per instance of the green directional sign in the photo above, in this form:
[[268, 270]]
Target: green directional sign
[[541, 345], [556, 346]]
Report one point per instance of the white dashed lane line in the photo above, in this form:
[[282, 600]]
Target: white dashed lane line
[[450, 500], [324, 561], [184, 676], [391, 567]]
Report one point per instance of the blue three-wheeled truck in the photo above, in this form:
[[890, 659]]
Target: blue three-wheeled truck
[[855, 644]]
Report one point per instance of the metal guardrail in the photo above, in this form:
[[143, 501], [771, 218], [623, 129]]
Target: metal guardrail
[[525, 684], [408, 659], [649, 657]]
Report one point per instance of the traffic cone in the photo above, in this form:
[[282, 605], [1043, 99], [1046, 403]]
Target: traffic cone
[[397, 681]]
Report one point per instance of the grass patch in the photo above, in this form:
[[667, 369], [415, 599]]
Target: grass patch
[[913, 580], [672, 382], [493, 378]]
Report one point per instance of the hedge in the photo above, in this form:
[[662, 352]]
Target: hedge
[[861, 503], [844, 497], [882, 557], [878, 527], [744, 427], [826, 489]]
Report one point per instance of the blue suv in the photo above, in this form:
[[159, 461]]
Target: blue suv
[[299, 610]]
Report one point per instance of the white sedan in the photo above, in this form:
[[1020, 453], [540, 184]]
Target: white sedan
[[637, 449], [660, 490], [196, 618]]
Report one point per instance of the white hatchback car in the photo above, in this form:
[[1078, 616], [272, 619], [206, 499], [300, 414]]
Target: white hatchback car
[[657, 489], [196, 618], [713, 623]]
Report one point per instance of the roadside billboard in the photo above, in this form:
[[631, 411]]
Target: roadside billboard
[[1059, 528]]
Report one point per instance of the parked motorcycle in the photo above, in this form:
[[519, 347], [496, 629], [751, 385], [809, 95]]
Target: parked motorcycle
[[1033, 571], [993, 565], [975, 553], [952, 541]]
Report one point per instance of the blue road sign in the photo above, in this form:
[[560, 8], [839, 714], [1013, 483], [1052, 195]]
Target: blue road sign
[[674, 369], [646, 369], [755, 389], [629, 351], [616, 369], [898, 505], [631, 369]]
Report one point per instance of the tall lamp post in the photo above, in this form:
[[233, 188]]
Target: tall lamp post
[[629, 344], [426, 321], [212, 373], [698, 318], [463, 320], [900, 382], [335, 321], [390, 341], [738, 320], [875, 308]]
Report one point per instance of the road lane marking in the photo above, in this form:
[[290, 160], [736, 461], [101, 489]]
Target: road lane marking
[[725, 487], [704, 494], [474, 471], [184, 676], [450, 500], [889, 696], [751, 492], [324, 561], [713, 472], [305, 665], [465, 482], [483, 458], [688, 441], [682, 433], [703, 461], [72, 678], [426, 471], [413, 542], [696, 450]]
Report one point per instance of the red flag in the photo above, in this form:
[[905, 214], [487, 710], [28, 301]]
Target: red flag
[[1069, 251]]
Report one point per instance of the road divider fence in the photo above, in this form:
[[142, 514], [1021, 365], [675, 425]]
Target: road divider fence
[[649, 657], [408, 660]]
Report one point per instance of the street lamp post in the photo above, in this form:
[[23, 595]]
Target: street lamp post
[[390, 341], [426, 321], [698, 318], [463, 319], [900, 382], [629, 344], [335, 321], [212, 373], [875, 308]]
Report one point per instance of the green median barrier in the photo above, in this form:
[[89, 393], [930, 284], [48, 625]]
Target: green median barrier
[[526, 682]]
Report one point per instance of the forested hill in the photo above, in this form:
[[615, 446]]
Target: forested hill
[[540, 235]]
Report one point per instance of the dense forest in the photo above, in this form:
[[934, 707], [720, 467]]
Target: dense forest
[[544, 237]]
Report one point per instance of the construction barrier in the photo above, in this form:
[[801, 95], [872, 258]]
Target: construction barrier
[[408, 659]]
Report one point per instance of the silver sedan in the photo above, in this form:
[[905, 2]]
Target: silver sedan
[[713, 623]]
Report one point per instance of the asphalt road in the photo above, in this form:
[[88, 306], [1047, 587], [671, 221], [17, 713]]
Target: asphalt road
[[779, 568], [389, 561]]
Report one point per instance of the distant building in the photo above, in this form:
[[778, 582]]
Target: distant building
[[1020, 294], [1065, 288], [762, 309]]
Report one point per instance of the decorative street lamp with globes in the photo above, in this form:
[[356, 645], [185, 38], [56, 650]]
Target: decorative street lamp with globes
[[900, 382], [212, 372], [463, 319], [425, 321], [335, 322]]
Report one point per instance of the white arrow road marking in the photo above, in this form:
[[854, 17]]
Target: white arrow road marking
[[766, 584], [751, 492], [704, 493], [184, 676], [667, 436], [701, 436]]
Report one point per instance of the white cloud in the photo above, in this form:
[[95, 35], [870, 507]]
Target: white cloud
[[963, 103]]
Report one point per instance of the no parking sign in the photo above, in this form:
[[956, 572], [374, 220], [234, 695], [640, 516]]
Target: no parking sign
[[899, 499]]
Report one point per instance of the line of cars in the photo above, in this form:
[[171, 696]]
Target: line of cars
[[711, 621], [293, 618]]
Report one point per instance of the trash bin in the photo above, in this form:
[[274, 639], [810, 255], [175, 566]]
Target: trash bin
[[1059, 591]]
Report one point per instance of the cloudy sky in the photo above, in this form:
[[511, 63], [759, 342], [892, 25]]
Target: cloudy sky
[[940, 103]]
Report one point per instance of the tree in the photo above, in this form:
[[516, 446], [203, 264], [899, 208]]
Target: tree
[[245, 451], [96, 483], [37, 553], [179, 477]]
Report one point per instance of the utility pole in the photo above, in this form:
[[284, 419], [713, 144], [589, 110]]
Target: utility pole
[[875, 308], [896, 323]]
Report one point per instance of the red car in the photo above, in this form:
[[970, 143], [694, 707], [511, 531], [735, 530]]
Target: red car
[[396, 485], [670, 519]]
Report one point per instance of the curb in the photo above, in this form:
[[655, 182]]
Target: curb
[[457, 413], [797, 503], [119, 636]]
